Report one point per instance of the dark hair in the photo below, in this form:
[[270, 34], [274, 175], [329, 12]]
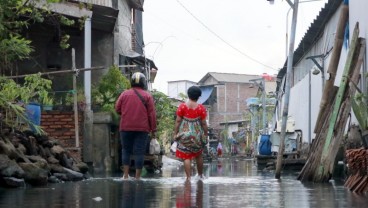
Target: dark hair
[[194, 93]]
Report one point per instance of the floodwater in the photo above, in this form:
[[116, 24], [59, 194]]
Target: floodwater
[[228, 183]]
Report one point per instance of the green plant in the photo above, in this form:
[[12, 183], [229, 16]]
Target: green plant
[[14, 97], [47, 101], [35, 89], [165, 113], [15, 17], [108, 89]]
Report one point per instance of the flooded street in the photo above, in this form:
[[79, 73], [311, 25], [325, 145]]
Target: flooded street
[[228, 183]]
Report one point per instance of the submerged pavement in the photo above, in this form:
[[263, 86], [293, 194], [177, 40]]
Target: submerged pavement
[[229, 183]]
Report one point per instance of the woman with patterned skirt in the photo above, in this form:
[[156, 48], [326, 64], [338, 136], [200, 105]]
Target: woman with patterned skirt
[[191, 131]]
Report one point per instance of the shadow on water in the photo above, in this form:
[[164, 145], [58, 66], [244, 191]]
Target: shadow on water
[[228, 183]]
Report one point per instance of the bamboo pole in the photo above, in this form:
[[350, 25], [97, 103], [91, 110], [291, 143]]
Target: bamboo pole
[[75, 103], [332, 68], [343, 118], [322, 170], [57, 72], [67, 71]]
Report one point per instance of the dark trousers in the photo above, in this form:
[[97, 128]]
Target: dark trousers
[[133, 143]]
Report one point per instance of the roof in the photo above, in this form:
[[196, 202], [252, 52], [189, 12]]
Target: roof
[[313, 33], [229, 77], [140, 59], [183, 80]]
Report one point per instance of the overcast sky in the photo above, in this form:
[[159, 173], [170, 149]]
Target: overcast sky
[[189, 38]]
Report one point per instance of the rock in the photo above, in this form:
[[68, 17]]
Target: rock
[[47, 152], [53, 179], [65, 161], [7, 148], [57, 150], [83, 167], [12, 182], [10, 168], [56, 168], [41, 151], [52, 160], [61, 176], [73, 175], [21, 148], [36, 158], [35, 174]]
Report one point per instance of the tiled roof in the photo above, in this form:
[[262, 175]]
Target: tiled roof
[[230, 77]]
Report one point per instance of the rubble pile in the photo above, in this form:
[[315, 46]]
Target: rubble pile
[[26, 158], [357, 162]]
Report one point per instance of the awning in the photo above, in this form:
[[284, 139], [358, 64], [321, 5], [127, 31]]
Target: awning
[[138, 59], [206, 93]]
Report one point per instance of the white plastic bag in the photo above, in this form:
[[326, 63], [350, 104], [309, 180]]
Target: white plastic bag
[[173, 146], [154, 147]]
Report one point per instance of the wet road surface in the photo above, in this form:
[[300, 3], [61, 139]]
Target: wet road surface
[[228, 183]]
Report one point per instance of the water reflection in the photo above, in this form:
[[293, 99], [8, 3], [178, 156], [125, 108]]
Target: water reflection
[[191, 196], [229, 183]]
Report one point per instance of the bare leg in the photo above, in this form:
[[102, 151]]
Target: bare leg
[[199, 160], [187, 168], [126, 172], [138, 173]]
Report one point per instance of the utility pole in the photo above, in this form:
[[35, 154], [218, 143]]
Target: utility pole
[[285, 111], [262, 87]]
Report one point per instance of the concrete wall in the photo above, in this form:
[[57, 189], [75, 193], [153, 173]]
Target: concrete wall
[[105, 143], [123, 31]]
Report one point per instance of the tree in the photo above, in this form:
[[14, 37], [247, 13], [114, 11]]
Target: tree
[[165, 112], [15, 17]]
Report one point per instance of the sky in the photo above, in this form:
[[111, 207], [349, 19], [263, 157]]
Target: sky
[[189, 38]]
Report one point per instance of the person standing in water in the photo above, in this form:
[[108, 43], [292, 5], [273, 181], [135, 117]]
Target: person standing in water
[[191, 131], [138, 119]]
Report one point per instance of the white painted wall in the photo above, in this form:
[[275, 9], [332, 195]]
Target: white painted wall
[[299, 99], [358, 13], [177, 87]]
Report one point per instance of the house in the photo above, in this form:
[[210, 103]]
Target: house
[[225, 95], [178, 87], [110, 34], [311, 62]]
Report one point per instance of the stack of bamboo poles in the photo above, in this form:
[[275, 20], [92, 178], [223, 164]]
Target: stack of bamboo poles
[[357, 161], [334, 112]]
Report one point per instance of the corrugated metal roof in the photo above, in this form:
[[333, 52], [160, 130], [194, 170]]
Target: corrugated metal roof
[[313, 33], [229, 77]]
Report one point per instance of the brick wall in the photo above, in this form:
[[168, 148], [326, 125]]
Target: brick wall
[[60, 125], [230, 103]]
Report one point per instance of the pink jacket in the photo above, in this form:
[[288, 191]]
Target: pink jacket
[[134, 115]]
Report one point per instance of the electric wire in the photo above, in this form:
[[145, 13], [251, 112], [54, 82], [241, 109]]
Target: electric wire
[[224, 41]]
